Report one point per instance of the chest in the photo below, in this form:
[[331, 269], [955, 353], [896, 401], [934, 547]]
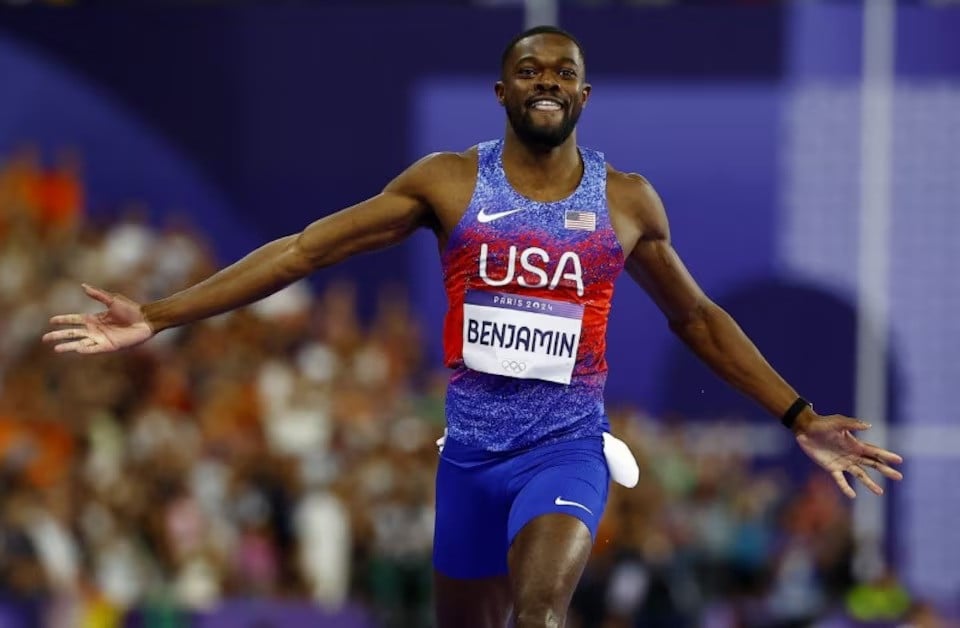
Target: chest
[[542, 247]]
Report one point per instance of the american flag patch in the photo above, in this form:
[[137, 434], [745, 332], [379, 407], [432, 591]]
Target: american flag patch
[[584, 221]]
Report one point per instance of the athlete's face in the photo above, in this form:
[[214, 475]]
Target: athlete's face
[[543, 89]]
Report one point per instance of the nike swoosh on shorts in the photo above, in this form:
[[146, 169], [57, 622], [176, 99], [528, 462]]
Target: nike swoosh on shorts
[[559, 501]]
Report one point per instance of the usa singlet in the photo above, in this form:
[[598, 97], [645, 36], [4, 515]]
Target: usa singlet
[[529, 286]]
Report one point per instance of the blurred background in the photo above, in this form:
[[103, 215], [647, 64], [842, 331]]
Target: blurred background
[[274, 466]]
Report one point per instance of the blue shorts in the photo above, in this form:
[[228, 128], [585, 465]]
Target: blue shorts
[[485, 498]]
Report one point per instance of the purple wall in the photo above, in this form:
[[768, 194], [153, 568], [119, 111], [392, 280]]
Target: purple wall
[[924, 335], [125, 159]]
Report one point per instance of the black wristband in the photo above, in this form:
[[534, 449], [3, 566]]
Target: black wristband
[[790, 416]]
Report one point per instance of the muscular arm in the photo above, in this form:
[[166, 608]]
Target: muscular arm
[[703, 326], [711, 333], [375, 223]]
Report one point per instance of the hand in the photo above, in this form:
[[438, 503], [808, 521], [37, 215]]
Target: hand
[[830, 442], [120, 326]]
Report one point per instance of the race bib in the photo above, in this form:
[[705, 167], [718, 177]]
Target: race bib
[[523, 337]]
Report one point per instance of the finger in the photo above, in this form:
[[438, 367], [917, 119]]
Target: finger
[[875, 452], [76, 345], [864, 477], [841, 481], [98, 294], [67, 319], [889, 472], [64, 334], [854, 425]]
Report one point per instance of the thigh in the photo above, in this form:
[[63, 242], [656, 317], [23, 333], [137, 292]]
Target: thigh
[[471, 602], [546, 561], [470, 528], [471, 587], [552, 526]]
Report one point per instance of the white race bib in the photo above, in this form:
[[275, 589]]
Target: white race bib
[[519, 336]]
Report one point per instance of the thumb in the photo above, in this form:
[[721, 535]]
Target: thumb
[[98, 294]]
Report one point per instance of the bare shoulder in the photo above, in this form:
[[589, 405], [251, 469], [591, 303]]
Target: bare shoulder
[[449, 162], [636, 210], [442, 181], [631, 191], [437, 172]]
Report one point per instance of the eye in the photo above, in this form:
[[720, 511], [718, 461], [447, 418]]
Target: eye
[[526, 72], [567, 73]]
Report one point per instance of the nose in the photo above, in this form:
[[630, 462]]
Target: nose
[[548, 82]]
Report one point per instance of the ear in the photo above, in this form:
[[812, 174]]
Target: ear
[[498, 89], [585, 92]]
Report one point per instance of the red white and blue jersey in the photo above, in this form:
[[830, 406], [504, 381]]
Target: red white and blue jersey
[[529, 287]]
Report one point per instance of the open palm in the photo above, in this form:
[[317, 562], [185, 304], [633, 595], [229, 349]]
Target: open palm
[[830, 442], [120, 326]]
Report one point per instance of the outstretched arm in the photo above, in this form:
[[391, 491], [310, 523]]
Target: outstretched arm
[[378, 222], [718, 340], [702, 325], [375, 223]]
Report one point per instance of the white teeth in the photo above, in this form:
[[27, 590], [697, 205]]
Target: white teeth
[[546, 105]]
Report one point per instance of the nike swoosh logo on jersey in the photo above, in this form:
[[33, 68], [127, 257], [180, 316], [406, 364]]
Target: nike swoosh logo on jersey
[[559, 501], [484, 217]]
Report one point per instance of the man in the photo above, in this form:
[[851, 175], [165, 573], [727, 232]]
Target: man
[[532, 231]]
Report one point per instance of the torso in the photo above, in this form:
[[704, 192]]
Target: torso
[[538, 261]]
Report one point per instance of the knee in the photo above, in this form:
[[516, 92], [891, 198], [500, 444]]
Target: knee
[[540, 609], [538, 619]]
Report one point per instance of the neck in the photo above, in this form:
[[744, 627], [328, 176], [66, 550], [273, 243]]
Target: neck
[[539, 160]]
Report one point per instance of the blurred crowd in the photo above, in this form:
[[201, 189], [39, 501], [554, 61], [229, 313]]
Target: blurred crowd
[[286, 451]]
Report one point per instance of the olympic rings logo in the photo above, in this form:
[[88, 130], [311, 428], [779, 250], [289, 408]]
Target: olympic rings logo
[[514, 366]]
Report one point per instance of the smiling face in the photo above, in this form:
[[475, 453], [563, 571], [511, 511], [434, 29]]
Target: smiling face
[[543, 89]]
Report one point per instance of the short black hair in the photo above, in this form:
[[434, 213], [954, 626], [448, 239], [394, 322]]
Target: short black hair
[[538, 30]]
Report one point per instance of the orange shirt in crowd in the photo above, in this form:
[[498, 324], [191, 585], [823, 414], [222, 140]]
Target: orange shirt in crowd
[[43, 449]]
